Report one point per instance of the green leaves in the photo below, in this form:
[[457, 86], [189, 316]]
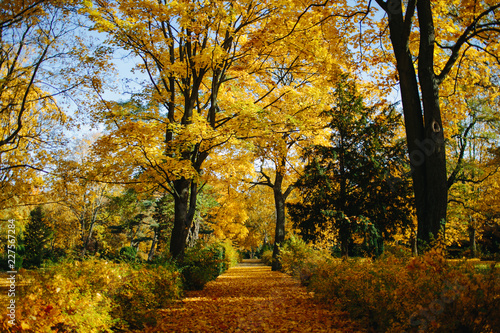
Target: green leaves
[[349, 177]]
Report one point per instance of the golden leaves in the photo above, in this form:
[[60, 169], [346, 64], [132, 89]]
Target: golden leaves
[[252, 298]]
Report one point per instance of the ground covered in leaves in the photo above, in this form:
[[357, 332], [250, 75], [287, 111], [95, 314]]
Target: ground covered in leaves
[[252, 298]]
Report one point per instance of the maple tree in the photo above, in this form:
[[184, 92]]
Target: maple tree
[[24, 127], [197, 57], [38, 70], [292, 91]]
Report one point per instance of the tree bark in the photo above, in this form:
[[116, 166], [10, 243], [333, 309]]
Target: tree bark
[[151, 253], [193, 233], [184, 208], [422, 116], [436, 194], [279, 236], [279, 203]]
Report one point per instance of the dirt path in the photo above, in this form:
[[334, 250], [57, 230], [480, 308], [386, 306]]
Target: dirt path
[[252, 298]]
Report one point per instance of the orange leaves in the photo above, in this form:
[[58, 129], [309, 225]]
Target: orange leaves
[[251, 298]]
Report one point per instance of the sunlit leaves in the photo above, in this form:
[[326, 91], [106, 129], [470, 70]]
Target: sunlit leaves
[[252, 298]]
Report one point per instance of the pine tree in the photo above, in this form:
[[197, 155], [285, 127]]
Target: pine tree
[[360, 174], [36, 236]]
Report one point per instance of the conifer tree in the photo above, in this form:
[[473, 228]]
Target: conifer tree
[[361, 173], [36, 236]]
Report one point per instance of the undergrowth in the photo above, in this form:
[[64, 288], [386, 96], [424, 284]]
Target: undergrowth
[[397, 294], [95, 296]]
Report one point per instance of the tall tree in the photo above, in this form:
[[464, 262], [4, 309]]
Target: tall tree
[[294, 89], [473, 176], [354, 175], [36, 237], [36, 52], [191, 52], [438, 46]]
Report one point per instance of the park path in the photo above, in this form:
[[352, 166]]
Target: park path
[[252, 298]]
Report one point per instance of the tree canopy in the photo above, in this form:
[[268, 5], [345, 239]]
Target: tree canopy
[[239, 116]]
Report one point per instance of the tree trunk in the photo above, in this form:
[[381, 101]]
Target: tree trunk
[[425, 140], [436, 182], [279, 203], [279, 237], [344, 244], [87, 239], [153, 245], [193, 233], [184, 207], [472, 239]]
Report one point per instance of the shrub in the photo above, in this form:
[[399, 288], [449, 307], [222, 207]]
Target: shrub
[[293, 254], [202, 264], [300, 260], [143, 291], [398, 251], [92, 296], [231, 255], [267, 257], [64, 298], [128, 254], [425, 293]]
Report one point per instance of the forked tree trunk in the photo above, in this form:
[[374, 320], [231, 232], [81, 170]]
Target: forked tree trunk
[[425, 140]]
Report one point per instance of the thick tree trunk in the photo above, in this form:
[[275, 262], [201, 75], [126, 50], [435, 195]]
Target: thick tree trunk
[[425, 140], [184, 207], [436, 194]]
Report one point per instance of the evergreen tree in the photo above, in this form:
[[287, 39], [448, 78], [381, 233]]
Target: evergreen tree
[[361, 174], [36, 236]]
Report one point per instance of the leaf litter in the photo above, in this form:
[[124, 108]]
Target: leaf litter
[[252, 298]]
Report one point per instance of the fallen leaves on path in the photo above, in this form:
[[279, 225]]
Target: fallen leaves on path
[[252, 298]]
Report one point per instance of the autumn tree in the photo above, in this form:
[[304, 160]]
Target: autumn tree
[[473, 175], [443, 51], [292, 92], [38, 62], [191, 52], [289, 124], [74, 188]]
